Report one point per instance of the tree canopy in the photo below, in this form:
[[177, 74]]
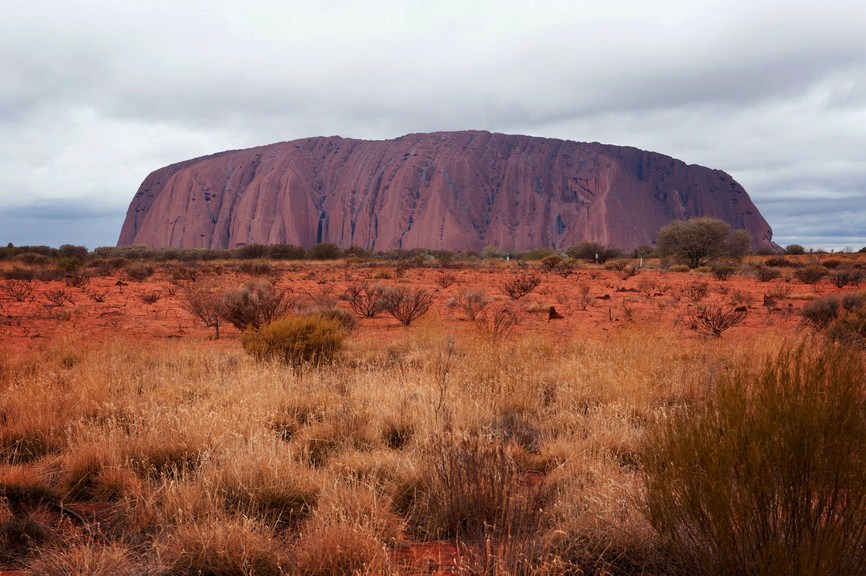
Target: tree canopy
[[702, 240]]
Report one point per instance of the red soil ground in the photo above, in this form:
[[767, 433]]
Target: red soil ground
[[651, 296]]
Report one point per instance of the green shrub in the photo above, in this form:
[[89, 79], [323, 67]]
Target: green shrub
[[794, 249], [770, 476], [297, 340]]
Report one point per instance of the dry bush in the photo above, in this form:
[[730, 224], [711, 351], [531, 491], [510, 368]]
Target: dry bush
[[92, 473], [780, 292], [498, 323], [844, 278], [713, 319], [549, 263], [220, 546], [766, 274], [469, 487], [584, 300], [769, 477], [366, 300], [472, 302], [811, 274], [204, 300], [97, 295], [696, 291], [257, 268], [843, 319], [77, 279], [444, 279], [266, 486], [296, 340], [139, 271], [741, 298], [352, 532], [58, 296], [340, 548], [566, 268], [91, 558], [255, 304], [520, 286], [820, 312], [19, 290], [407, 304], [723, 270], [150, 297]]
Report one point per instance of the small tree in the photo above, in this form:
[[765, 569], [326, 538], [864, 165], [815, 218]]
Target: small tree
[[700, 241], [204, 300]]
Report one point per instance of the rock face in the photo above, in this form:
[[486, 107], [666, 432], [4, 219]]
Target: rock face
[[447, 190]]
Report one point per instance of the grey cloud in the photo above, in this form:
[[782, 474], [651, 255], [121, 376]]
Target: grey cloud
[[93, 96]]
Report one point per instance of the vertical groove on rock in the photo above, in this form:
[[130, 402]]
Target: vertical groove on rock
[[447, 190]]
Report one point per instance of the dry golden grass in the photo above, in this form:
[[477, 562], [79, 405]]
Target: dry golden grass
[[184, 457]]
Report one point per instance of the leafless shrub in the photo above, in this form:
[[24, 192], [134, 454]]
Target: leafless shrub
[[520, 285], [444, 280], [19, 290], [184, 273], [364, 299], [566, 268], [623, 267], [407, 304], [473, 302], [323, 297], [58, 297], [204, 300], [97, 295], [740, 298], [499, 322], [765, 273], [780, 292], [77, 279], [713, 320], [810, 274], [697, 291], [843, 278], [584, 300], [150, 297]]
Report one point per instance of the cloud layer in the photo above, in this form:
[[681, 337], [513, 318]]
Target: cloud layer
[[93, 96]]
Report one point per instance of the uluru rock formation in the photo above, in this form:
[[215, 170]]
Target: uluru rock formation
[[445, 190]]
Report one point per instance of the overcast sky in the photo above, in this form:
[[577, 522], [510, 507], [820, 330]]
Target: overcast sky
[[95, 95]]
